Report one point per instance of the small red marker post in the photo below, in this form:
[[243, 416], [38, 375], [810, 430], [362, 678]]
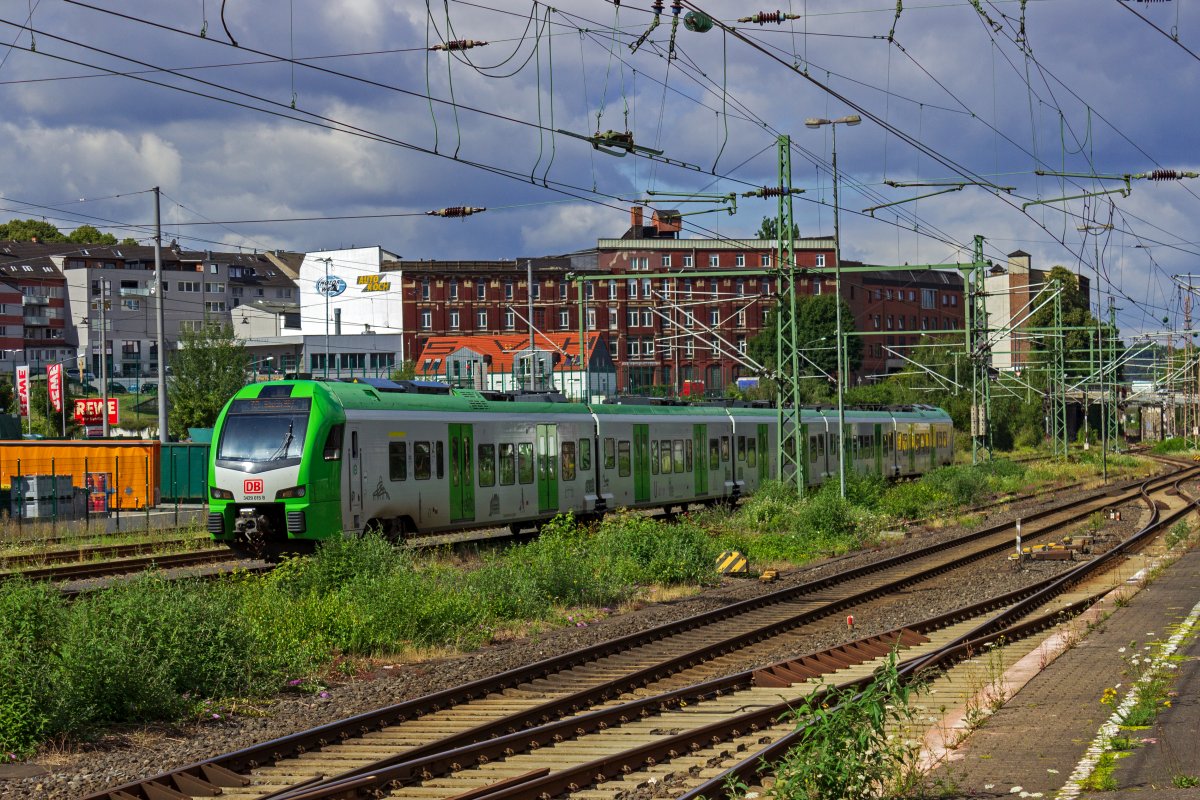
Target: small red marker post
[[850, 622]]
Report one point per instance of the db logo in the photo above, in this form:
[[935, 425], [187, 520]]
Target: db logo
[[254, 486]]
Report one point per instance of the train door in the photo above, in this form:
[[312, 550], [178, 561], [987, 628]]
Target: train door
[[462, 484], [355, 479], [641, 463], [803, 459], [700, 465], [877, 450], [763, 457], [547, 467]]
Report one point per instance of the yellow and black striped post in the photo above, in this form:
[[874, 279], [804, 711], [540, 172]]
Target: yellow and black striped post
[[732, 562]]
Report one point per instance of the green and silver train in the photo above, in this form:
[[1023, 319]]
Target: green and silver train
[[300, 461]]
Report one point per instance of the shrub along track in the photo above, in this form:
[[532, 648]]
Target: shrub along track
[[665, 657]]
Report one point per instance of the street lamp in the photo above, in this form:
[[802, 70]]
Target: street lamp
[[325, 291], [817, 122]]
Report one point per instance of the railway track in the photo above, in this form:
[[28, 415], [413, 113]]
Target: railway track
[[97, 552], [567, 689]]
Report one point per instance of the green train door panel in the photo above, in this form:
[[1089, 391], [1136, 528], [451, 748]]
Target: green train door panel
[[878, 440], [462, 473], [700, 459], [547, 467], [805, 455], [763, 456], [641, 463]]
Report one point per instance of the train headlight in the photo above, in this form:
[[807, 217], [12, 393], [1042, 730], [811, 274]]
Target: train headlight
[[219, 494], [295, 491]]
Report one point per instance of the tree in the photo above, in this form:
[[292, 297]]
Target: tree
[[816, 326], [25, 230], [129, 241], [405, 371], [1076, 314], [769, 228], [207, 369], [86, 234]]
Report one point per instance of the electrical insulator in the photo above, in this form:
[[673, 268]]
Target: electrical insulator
[[657, 7], [458, 44], [763, 17], [1165, 175], [677, 7], [697, 22], [772, 191], [455, 211]]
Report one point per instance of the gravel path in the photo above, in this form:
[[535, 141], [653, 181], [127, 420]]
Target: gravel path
[[121, 755]]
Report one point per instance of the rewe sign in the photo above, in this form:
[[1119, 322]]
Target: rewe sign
[[88, 410], [23, 389]]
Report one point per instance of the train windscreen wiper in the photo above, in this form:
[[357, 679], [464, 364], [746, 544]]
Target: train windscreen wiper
[[283, 447]]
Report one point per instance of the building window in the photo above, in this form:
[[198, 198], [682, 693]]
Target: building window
[[890, 322], [589, 291], [454, 290], [425, 288], [820, 259], [454, 320], [817, 285], [741, 288], [875, 319], [953, 299], [647, 288], [632, 289], [211, 288], [631, 317], [689, 349], [714, 317], [889, 294], [739, 260], [591, 319], [612, 290], [481, 321], [564, 319], [647, 318], [642, 264], [766, 287], [741, 318], [508, 290], [687, 287], [631, 347], [562, 290], [687, 260], [666, 259], [689, 319], [714, 260], [900, 322], [481, 289], [510, 319], [741, 345], [426, 319]]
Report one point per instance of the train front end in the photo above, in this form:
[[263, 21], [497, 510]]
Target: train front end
[[273, 478]]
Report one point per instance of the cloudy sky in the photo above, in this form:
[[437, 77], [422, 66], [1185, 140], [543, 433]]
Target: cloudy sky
[[310, 125]]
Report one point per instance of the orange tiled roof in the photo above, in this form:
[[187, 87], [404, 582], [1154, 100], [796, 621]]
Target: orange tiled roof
[[502, 347]]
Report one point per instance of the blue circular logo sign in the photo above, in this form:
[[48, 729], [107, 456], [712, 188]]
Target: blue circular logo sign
[[330, 285]]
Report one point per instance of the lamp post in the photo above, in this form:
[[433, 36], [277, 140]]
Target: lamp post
[[325, 291], [817, 122]]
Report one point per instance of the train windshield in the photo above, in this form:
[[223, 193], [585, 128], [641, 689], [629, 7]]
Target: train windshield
[[262, 437], [260, 431]]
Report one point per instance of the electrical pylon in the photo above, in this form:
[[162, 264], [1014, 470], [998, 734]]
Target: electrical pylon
[[791, 447]]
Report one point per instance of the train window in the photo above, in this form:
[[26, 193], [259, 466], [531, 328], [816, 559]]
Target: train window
[[741, 448], [398, 461], [687, 455], [585, 455], [487, 464], [714, 454], [441, 472], [677, 456], [421, 452], [525, 462], [333, 443], [610, 453], [654, 456], [508, 465], [724, 448], [623, 460], [568, 461], [812, 448], [665, 456], [751, 452]]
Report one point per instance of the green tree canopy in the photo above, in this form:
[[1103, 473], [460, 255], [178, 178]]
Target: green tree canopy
[[816, 325], [207, 369], [26, 230], [1080, 337], [769, 229]]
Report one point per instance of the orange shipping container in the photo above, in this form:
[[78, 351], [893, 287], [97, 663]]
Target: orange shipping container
[[131, 467]]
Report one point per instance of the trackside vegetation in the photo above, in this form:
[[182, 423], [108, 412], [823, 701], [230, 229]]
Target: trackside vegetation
[[152, 649]]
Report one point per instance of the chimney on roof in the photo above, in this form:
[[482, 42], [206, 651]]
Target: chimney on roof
[[635, 219], [667, 222]]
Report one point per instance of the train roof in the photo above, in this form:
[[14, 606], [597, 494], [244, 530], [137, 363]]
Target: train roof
[[367, 395]]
